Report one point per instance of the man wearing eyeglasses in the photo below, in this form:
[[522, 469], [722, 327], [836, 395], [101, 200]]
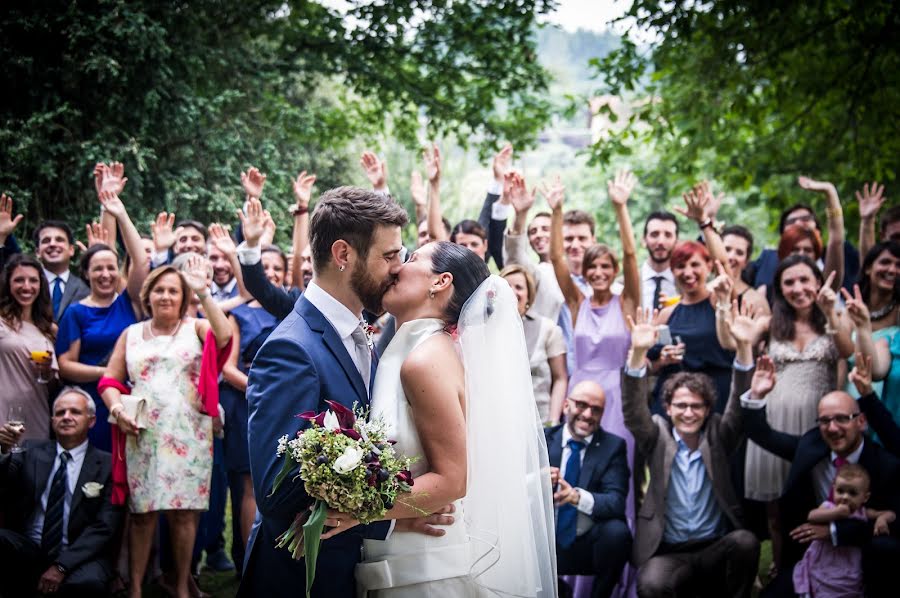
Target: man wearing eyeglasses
[[689, 537], [815, 457], [589, 471]]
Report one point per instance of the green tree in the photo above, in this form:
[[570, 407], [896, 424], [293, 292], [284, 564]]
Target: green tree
[[188, 94], [755, 93]]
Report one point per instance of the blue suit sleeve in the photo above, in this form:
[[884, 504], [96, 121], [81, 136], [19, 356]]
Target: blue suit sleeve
[[759, 431], [283, 383], [612, 491], [273, 299], [494, 229], [881, 420]]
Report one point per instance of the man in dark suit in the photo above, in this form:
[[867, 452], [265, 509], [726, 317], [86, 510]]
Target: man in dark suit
[[54, 245], [815, 458], [590, 467], [61, 523], [688, 536], [318, 353]]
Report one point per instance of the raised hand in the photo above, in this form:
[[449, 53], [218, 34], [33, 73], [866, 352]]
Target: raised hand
[[196, 272], [644, 332], [763, 378], [516, 193], [857, 308], [743, 324], [502, 162], [554, 193], [809, 184], [861, 374], [112, 204], [268, 236], [303, 189], [432, 157], [417, 189], [8, 223], [96, 234], [376, 170], [619, 189], [870, 200], [253, 181], [722, 285], [113, 178], [220, 238], [161, 231], [253, 224], [696, 202], [827, 298]]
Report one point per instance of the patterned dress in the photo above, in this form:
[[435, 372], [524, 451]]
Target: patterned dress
[[169, 463], [802, 378]]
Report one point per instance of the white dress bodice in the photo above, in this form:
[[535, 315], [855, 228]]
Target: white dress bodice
[[409, 558]]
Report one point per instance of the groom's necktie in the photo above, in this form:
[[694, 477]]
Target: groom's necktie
[[567, 519], [363, 352]]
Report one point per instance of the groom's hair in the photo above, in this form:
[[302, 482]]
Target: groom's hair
[[351, 214]]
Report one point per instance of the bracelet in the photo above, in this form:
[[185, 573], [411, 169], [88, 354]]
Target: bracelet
[[115, 412], [833, 212], [298, 210], [829, 329], [202, 296], [706, 223], [723, 306]]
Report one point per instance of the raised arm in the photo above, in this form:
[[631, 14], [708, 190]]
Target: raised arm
[[195, 272], [870, 201], [109, 178], [699, 207], [253, 181], [8, 223], [555, 194], [758, 429], [419, 196], [222, 241], [376, 171], [231, 372], [635, 409], [858, 313], [619, 190], [838, 325], [880, 419], [300, 238], [432, 159], [273, 299], [517, 195], [140, 266], [834, 251]]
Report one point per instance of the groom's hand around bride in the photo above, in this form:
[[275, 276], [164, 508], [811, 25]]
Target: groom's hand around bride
[[425, 525], [338, 522]]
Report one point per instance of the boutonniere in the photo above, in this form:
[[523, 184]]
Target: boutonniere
[[92, 489], [370, 334]]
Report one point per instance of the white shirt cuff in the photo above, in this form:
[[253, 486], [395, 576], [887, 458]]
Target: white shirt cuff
[[586, 502], [741, 367], [248, 256], [636, 373], [495, 188], [386, 192], [499, 211], [749, 403], [158, 258]]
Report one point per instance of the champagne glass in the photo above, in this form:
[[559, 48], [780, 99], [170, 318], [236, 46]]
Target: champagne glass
[[41, 357], [16, 420]]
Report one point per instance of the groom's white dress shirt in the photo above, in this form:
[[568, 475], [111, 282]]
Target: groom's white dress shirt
[[341, 318]]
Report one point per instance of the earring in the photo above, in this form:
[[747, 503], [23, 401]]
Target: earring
[[341, 268], [431, 293]]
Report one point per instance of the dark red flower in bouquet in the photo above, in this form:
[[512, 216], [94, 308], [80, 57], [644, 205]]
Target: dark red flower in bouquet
[[345, 419], [405, 476]]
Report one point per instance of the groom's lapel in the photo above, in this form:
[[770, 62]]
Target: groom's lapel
[[319, 323]]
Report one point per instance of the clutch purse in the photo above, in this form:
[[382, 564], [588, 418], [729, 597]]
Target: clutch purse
[[135, 408]]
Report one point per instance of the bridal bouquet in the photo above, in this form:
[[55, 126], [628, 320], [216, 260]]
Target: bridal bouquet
[[346, 463]]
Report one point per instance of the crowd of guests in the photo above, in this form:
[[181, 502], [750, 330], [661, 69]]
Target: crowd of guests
[[695, 404]]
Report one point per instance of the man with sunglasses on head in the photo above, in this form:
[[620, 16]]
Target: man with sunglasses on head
[[589, 472], [815, 457]]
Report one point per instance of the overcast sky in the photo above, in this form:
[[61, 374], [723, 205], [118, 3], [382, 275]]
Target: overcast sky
[[587, 14]]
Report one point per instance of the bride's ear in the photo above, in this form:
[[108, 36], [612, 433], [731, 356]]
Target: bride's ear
[[444, 281]]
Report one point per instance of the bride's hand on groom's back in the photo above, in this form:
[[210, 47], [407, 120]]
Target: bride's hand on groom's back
[[425, 525]]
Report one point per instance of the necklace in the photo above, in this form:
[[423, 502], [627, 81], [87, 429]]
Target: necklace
[[880, 313], [172, 333]]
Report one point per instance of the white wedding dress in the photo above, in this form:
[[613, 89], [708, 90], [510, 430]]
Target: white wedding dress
[[502, 540]]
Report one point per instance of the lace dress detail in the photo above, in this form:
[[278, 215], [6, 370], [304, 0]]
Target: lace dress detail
[[802, 378]]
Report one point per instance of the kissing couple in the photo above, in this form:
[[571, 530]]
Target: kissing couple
[[454, 389]]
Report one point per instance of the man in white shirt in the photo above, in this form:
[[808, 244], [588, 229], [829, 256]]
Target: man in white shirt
[[61, 525], [660, 238], [54, 245]]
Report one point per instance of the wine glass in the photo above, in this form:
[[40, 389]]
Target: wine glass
[[16, 420], [41, 357]]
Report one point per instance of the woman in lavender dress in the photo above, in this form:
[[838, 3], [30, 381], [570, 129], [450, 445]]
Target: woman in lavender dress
[[602, 338]]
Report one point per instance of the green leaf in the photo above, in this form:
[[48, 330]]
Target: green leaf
[[312, 537], [286, 467]]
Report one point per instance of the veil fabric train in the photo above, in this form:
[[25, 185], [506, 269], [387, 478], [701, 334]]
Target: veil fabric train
[[509, 499]]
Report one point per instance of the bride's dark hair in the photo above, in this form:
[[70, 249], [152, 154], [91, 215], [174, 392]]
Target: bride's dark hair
[[468, 271]]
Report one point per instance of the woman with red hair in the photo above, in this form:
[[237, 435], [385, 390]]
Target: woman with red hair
[[798, 239]]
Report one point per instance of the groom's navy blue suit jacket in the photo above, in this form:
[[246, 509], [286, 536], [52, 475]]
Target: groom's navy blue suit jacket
[[302, 364]]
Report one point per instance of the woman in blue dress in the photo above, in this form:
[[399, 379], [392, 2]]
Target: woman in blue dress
[[89, 329]]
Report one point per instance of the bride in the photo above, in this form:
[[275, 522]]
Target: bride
[[464, 408]]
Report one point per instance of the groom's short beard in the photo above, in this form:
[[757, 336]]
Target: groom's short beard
[[369, 290]]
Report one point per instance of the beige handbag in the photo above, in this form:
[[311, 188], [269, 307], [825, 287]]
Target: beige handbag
[[135, 408]]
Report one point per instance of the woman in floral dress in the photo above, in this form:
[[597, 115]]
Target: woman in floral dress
[[170, 461]]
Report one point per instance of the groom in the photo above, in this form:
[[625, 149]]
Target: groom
[[318, 353]]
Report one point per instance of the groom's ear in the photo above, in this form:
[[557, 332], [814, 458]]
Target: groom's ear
[[341, 253]]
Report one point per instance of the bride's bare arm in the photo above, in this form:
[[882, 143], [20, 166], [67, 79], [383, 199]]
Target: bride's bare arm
[[434, 382]]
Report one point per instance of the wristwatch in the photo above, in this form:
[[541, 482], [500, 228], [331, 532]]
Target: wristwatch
[[296, 210], [60, 568]]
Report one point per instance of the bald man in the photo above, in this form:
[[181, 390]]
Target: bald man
[[815, 457], [590, 473]]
